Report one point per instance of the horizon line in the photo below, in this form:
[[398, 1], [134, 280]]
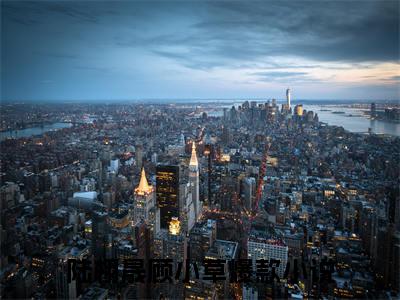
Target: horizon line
[[182, 100]]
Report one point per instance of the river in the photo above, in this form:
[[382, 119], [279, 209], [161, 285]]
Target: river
[[358, 122], [27, 132]]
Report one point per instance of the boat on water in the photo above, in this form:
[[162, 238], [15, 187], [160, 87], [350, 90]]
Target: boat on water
[[338, 112]]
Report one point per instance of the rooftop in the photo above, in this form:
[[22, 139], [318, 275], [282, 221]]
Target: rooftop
[[267, 236], [223, 249], [86, 195]]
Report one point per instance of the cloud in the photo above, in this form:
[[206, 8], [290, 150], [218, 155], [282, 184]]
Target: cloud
[[204, 45], [279, 76], [36, 12], [287, 77], [214, 34], [330, 31]]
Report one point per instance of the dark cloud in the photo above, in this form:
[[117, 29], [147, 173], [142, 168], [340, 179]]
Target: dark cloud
[[38, 11], [198, 35], [350, 31], [222, 33]]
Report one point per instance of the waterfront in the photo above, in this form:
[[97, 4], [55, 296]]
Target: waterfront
[[27, 132], [352, 119], [358, 122]]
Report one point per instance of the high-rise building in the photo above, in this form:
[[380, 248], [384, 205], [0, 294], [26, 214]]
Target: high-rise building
[[226, 116], [263, 245], [225, 138], [373, 110], [202, 236], [288, 97], [298, 110], [248, 192], [144, 198], [208, 153], [69, 289], [186, 207], [100, 229], [194, 182], [167, 193]]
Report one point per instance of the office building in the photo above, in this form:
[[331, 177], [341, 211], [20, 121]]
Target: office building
[[167, 193], [265, 245], [298, 110], [373, 110], [144, 199], [194, 183], [288, 98], [100, 229]]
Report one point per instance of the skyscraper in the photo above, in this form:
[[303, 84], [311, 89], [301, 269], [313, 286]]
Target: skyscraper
[[373, 110], [167, 193], [194, 182], [288, 97], [144, 198], [100, 229], [298, 110]]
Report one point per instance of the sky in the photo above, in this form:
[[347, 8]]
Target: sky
[[133, 50]]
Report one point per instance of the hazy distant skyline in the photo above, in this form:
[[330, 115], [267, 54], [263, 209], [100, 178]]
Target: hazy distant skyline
[[95, 50]]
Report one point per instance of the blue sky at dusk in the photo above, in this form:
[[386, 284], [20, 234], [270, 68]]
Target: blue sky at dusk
[[127, 50]]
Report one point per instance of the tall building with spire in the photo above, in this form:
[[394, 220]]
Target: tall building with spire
[[194, 182], [288, 98], [144, 199]]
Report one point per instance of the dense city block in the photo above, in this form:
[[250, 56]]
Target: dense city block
[[199, 201]]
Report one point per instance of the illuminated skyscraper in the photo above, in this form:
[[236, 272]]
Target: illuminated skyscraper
[[288, 98], [298, 110], [144, 198], [167, 193], [194, 182]]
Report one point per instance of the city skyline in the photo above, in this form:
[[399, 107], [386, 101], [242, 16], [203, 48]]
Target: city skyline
[[200, 149], [64, 51]]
